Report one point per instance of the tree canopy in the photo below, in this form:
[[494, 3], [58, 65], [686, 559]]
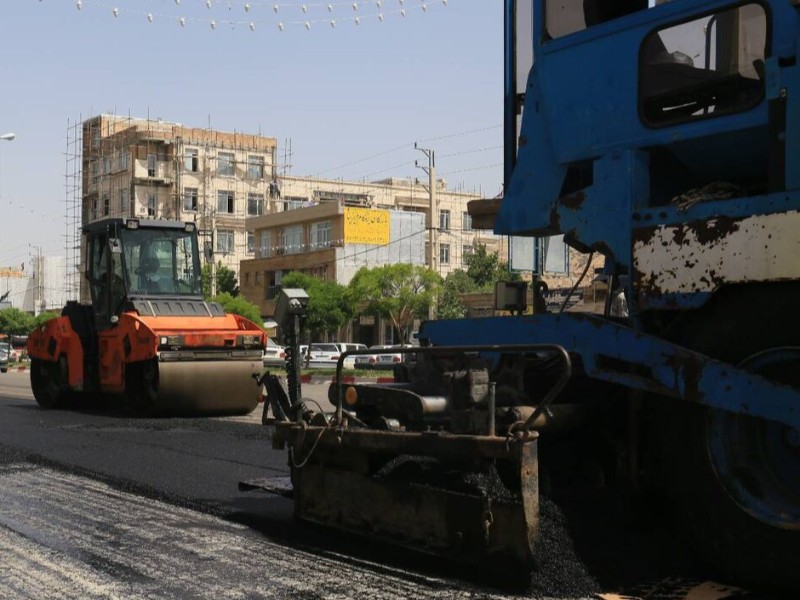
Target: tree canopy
[[239, 306], [485, 269], [400, 293], [456, 284], [226, 280], [14, 321], [329, 308]]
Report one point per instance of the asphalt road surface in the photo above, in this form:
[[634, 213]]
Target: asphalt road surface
[[98, 505]]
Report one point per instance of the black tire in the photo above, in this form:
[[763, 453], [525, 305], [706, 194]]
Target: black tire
[[733, 477], [49, 382], [141, 385]]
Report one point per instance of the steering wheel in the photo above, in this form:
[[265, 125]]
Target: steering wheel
[[148, 264]]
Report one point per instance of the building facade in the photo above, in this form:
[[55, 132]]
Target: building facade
[[331, 228], [153, 169]]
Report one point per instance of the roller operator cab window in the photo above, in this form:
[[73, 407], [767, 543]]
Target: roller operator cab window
[[702, 68], [161, 262]]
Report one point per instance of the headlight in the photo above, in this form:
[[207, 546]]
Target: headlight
[[171, 341], [248, 340]]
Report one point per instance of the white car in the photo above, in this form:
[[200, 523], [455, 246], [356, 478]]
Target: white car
[[350, 361], [319, 355], [274, 355], [390, 358]]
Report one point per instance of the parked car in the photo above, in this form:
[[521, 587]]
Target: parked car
[[12, 354], [319, 355], [389, 359], [3, 361], [274, 354], [383, 358], [350, 361]]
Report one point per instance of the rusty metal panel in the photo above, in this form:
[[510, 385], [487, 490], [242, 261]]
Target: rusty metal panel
[[701, 255]]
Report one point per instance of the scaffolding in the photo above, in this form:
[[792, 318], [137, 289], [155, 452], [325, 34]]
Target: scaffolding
[[73, 209]]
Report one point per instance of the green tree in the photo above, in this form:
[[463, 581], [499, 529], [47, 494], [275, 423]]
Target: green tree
[[226, 280], [13, 321], [485, 269], [400, 293], [43, 317], [329, 306], [456, 284], [239, 306]]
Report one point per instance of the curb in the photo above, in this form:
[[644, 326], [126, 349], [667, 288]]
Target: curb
[[323, 379]]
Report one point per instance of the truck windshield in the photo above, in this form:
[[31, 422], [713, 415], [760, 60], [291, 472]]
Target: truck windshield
[[161, 262]]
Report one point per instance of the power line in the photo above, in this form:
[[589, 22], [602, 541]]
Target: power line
[[470, 151], [411, 145]]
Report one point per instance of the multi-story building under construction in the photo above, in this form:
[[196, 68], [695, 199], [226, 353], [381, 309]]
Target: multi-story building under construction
[[153, 169]]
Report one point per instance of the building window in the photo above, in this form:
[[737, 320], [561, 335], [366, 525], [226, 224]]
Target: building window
[[247, 278], [255, 167], [190, 199], [466, 252], [293, 202], [293, 239], [264, 245], [95, 137], [444, 254], [106, 205], [258, 277], [151, 205], [555, 254], [225, 202], [444, 220], [225, 164], [122, 161], [190, 161], [320, 235], [466, 222], [255, 204], [106, 165], [251, 242], [93, 169], [123, 201], [93, 212], [151, 165], [224, 241]]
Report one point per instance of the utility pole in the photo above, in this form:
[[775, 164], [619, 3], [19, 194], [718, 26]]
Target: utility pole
[[213, 252], [38, 290], [432, 257]]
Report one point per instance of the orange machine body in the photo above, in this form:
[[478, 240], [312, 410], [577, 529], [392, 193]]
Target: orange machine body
[[137, 338]]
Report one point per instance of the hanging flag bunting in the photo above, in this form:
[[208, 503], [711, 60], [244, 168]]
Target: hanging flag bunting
[[317, 12]]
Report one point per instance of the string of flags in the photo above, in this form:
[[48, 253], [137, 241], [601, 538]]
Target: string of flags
[[280, 16]]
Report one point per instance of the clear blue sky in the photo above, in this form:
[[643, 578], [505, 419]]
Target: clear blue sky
[[351, 99]]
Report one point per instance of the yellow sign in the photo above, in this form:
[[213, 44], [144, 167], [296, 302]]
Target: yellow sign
[[366, 226]]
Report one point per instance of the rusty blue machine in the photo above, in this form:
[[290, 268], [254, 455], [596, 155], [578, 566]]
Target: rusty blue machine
[[664, 137]]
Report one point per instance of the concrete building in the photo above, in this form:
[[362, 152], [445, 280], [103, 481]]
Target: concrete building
[[38, 290], [153, 169], [331, 228]]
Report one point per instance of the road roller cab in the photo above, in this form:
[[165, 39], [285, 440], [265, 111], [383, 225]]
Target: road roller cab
[[148, 338]]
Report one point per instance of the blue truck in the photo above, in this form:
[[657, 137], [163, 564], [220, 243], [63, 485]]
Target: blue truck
[[664, 137]]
